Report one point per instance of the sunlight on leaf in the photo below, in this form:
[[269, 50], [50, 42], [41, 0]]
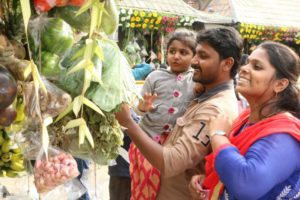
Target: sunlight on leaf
[[74, 123], [65, 112], [26, 11], [93, 106], [88, 135], [77, 67], [77, 105]]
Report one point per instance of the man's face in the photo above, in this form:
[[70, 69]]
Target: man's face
[[206, 64]]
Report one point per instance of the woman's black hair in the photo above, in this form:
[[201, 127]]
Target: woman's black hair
[[287, 65]]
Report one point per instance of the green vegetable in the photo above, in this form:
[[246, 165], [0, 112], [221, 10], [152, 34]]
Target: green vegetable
[[106, 133], [50, 64], [57, 36], [110, 20], [68, 13], [118, 82]]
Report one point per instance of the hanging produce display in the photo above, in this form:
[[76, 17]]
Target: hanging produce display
[[260, 33], [63, 80]]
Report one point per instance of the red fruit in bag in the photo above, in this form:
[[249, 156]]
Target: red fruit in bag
[[77, 2], [44, 5], [60, 3]]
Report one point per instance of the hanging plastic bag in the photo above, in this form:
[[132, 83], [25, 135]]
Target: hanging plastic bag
[[57, 170], [51, 104]]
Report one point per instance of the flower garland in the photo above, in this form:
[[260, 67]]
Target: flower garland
[[139, 19], [260, 33]]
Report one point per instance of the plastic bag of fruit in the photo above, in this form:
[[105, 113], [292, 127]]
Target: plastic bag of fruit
[[57, 169], [46, 5]]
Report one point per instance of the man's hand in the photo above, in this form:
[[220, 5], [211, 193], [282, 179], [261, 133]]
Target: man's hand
[[147, 104], [124, 115], [196, 190]]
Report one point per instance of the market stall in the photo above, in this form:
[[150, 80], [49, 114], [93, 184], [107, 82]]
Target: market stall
[[62, 80], [258, 20], [144, 25]]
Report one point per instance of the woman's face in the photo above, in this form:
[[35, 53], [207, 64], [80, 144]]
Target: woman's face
[[179, 56], [257, 77]]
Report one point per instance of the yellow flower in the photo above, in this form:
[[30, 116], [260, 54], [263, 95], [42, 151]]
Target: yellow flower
[[151, 21], [137, 19], [154, 14], [144, 26], [157, 21], [151, 26], [135, 13], [149, 14], [132, 25], [159, 18], [142, 14], [146, 20], [138, 25], [132, 19]]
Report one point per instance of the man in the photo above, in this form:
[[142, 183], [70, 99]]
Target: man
[[216, 62]]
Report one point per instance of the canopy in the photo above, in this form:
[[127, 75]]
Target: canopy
[[277, 13], [174, 7]]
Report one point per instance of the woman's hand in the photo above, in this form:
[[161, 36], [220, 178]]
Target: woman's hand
[[147, 104], [219, 123], [196, 190]]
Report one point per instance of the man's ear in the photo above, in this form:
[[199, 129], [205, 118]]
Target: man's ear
[[227, 64], [280, 85]]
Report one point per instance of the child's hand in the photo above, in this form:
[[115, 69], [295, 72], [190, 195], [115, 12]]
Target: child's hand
[[146, 105], [198, 89], [196, 190]]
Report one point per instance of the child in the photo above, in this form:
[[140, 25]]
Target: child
[[171, 90]]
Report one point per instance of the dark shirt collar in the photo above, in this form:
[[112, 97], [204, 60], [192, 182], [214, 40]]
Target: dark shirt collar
[[207, 94]]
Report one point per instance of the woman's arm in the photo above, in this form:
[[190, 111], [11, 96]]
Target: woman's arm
[[268, 162]]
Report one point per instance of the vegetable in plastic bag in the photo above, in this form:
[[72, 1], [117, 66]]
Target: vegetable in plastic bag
[[58, 169], [110, 18], [54, 35], [50, 64], [57, 36], [51, 104], [80, 22], [46, 5], [118, 82], [106, 133]]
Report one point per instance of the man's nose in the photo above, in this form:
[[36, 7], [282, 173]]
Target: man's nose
[[194, 60]]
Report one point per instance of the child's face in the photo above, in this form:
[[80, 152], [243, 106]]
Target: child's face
[[179, 56]]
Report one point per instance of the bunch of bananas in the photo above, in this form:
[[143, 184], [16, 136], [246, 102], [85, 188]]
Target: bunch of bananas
[[11, 158]]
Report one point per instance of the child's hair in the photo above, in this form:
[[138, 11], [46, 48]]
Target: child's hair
[[187, 37]]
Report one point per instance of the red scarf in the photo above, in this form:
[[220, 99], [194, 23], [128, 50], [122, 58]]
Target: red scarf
[[280, 123]]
